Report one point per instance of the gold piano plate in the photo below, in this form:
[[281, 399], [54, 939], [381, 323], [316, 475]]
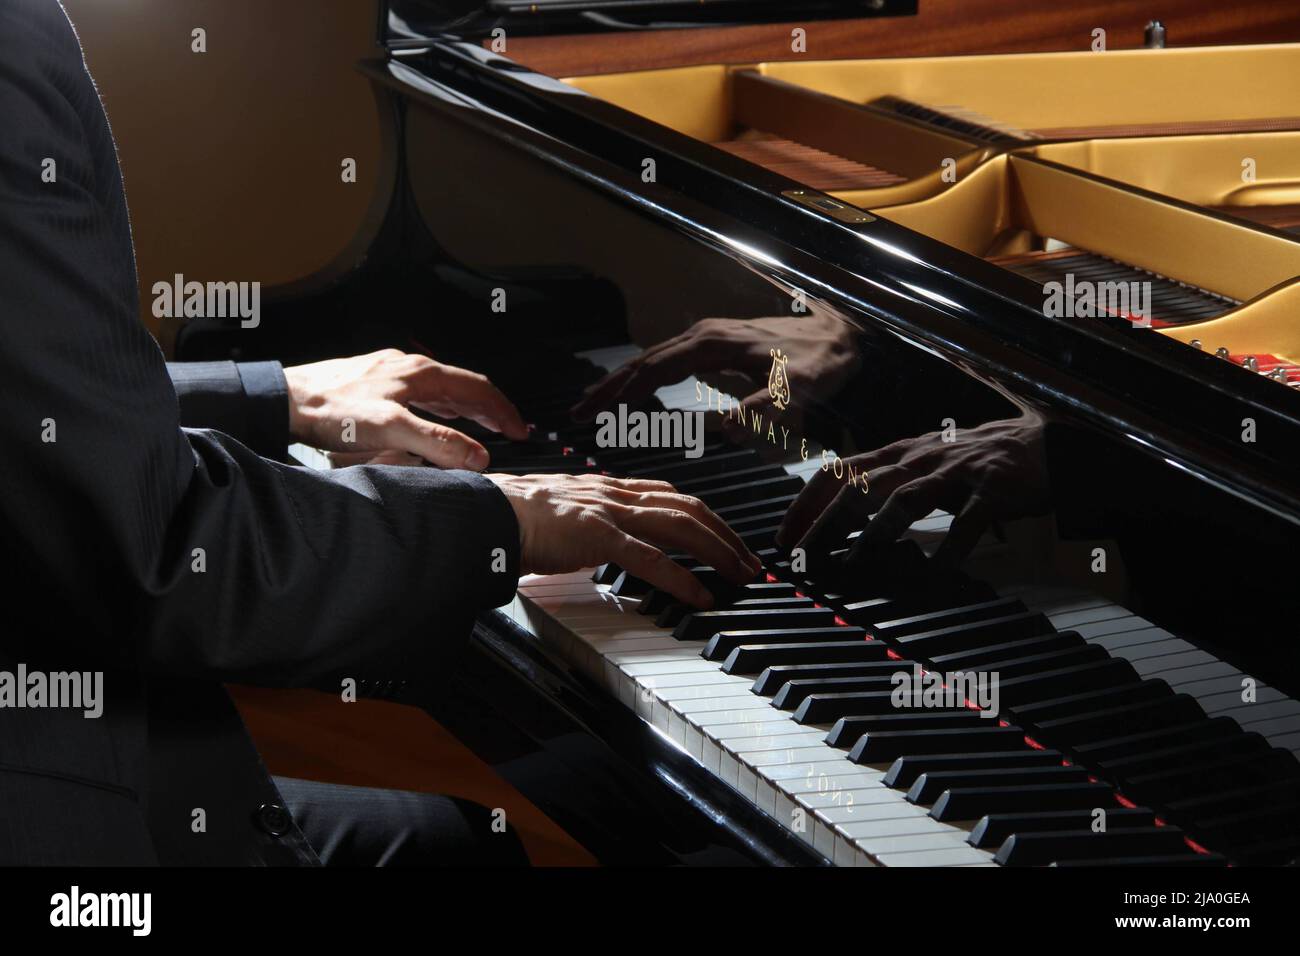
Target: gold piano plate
[[1035, 161]]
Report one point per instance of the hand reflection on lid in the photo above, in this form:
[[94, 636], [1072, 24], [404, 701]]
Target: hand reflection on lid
[[736, 354], [996, 471]]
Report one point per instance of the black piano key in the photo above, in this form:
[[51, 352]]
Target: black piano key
[[1195, 808], [932, 785], [949, 617], [986, 658], [763, 591], [971, 803], [774, 601], [754, 658], [673, 614], [1032, 714], [1070, 680], [721, 645], [1040, 663], [867, 612], [626, 585], [905, 770], [1040, 849], [794, 692], [654, 602], [702, 625], [771, 681], [1113, 721], [886, 746], [1200, 751], [607, 573], [1126, 745], [1163, 786], [868, 703], [1251, 825], [962, 637], [724, 592], [994, 829], [847, 731]]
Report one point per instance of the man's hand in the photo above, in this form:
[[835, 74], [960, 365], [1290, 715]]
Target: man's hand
[[376, 392], [571, 522], [997, 471]]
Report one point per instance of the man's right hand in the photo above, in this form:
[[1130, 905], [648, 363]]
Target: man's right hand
[[570, 522]]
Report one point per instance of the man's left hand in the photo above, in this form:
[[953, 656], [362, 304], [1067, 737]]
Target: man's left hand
[[361, 406]]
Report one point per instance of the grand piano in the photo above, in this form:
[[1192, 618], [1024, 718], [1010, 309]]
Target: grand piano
[[1048, 300]]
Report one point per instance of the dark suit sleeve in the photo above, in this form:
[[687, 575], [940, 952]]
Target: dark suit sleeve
[[248, 401], [183, 550]]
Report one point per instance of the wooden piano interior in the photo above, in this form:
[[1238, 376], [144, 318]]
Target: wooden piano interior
[[1174, 167]]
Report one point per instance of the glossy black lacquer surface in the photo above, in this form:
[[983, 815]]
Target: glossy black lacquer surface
[[1149, 392], [404, 21]]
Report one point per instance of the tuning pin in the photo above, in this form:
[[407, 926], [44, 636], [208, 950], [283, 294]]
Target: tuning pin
[[1195, 343], [1278, 374], [1221, 352], [1251, 363]]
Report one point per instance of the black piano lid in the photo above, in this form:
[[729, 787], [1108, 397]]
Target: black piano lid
[[1171, 403], [402, 21]]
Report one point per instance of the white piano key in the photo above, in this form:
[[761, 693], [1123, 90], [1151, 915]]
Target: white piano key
[[1151, 649], [1069, 620], [648, 655], [800, 757], [680, 693], [1122, 632], [733, 723], [1178, 677], [696, 665], [768, 749], [1289, 742], [947, 856], [884, 810], [1271, 728], [699, 705], [1244, 713], [940, 839], [857, 797]]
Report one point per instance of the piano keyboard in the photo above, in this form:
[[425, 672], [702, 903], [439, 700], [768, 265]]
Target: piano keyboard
[[773, 693]]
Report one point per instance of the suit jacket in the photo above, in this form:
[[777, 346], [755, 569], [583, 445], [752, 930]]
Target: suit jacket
[[173, 559]]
